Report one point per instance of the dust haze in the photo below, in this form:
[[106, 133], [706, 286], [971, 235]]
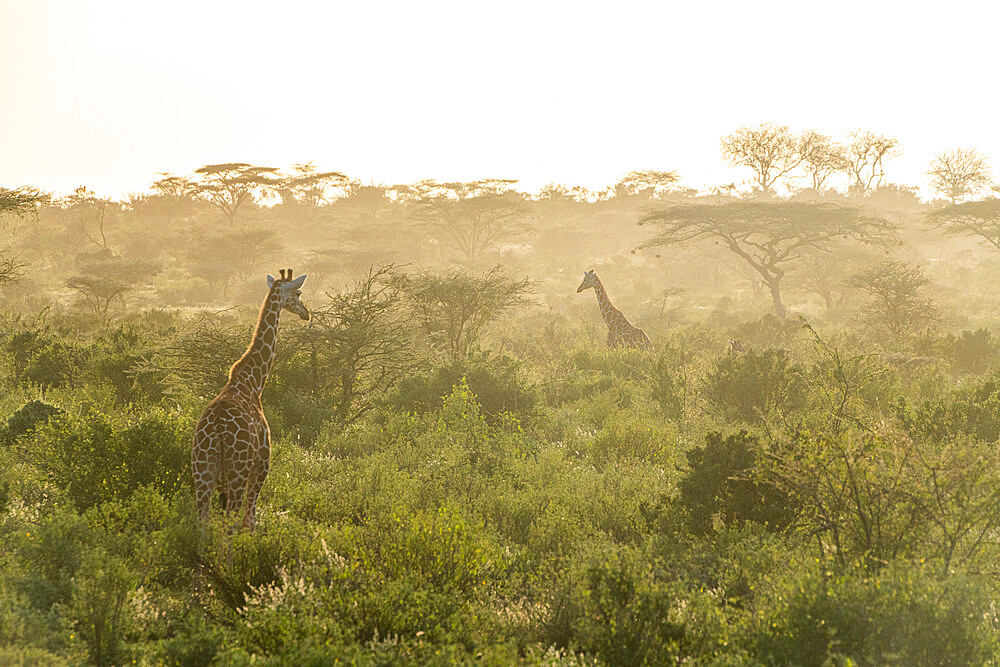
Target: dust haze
[[294, 412]]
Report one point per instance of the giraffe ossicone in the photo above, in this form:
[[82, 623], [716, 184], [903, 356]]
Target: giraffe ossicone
[[231, 451], [621, 332]]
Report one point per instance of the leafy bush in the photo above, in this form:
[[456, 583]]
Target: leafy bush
[[752, 386], [95, 458], [723, 485], [902, 617], [98, 607], [972, 351], [496, 381], [616, 607], [27, 418]]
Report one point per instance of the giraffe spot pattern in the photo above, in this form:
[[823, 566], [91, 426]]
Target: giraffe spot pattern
[[231, 448]]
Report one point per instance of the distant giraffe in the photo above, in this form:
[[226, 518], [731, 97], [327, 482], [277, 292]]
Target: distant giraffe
[[232, 444], [621, 332]]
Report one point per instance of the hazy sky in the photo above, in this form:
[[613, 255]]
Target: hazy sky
[[107, 94]]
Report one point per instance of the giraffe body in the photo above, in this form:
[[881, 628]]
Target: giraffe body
[[231, 452], [621, 332]]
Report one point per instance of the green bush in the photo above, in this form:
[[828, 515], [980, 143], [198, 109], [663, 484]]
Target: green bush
[[902, 617], [27, 418], [972, 411], [616, 607], [99, 609], [722, 485], [752, 386], [96, 458], [496, 380]]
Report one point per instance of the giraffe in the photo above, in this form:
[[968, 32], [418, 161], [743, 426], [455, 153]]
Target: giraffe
[[232, 444], [621, 332]]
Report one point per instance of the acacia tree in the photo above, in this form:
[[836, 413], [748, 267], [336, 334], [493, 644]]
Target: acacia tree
[[978, 219], [959, 173], [865, 154], [307, 185], [454, 308], [475, 216], [770, 150], [359, 343], [824, 272], [767, 236], [230, 185], [91, 209], [650, 183], [896, 301], [18, 202], [21, 201], [821, 158], [101, 282]]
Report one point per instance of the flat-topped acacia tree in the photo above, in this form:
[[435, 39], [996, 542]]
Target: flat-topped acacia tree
[[977, 219], [768, 236]]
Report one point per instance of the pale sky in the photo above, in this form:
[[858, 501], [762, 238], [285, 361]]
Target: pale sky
[[107, 94]]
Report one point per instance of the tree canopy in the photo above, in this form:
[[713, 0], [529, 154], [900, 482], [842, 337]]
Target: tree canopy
[[768, 236], [978, 219], [959, 173], [21, 201]]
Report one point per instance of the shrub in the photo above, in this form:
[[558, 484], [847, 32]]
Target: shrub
[[749, 387], [626, 437], [27, 418], [494, 379], [98, 608], [972, 351], [903, 617], [613, 605], [96, 459], [721, 485]]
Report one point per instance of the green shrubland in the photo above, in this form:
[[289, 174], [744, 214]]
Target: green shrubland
[[803, 502], [463, 472]]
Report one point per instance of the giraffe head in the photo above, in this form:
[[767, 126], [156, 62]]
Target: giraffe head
[[589, 280], [288, 291]]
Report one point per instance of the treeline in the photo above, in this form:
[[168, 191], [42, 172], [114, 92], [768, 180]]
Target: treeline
[[197, 240]]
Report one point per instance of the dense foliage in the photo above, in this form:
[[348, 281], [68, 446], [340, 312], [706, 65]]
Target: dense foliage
[[462, 471]]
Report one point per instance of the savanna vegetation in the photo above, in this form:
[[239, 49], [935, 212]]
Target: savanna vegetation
[[462, 470]]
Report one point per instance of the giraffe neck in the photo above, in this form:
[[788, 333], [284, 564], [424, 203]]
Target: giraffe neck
[[251, 371], [611, 314]]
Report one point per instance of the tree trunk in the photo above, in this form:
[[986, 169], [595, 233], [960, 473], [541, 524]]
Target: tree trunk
[[779, 307]]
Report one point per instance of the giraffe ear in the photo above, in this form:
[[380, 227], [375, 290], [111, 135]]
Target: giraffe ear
[[297, 283], [270, 281]]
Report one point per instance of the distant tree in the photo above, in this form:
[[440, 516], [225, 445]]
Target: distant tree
[[474, 216], [18, 202], [768, 236], [770, 151], [454, 308], [104, 279], [92, 213], [230, 185], [824, 272], [821, 158], [21, 201], [865, 154], [960, 173], [554, 191], [652, 184], [307, 185], [896, 302], [367, 202], [246, 249], [978, 219], [174, 187]]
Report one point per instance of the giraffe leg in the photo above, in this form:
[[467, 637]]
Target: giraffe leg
[[205, 469], [256, 481]]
